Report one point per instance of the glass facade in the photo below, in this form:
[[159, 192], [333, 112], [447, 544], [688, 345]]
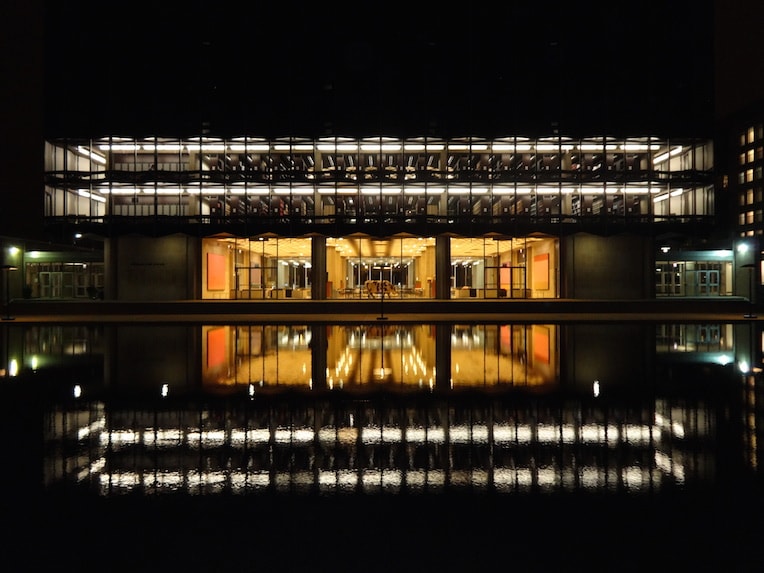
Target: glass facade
[[378, 180], [374, 210], [274, 267]]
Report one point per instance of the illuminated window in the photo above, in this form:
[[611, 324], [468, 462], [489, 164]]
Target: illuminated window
[[760, 153], [757, 173], [742, 198], [749, 217], [749, 156], [759, 194], [742, 139], [748, 175], [741, 219], [742, 159], [749, 197], [741, 177], [750, 135]]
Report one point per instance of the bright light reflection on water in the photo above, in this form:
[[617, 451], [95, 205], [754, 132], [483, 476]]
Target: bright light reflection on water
[[396, 409]]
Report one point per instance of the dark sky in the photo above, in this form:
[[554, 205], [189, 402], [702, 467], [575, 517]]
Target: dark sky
[[386, 68]]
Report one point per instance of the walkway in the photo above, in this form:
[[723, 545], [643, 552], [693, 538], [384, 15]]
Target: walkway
[[339, 311]]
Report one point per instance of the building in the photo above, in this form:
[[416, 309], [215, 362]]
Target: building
[[197, 217], [252, 218], [739, 137]]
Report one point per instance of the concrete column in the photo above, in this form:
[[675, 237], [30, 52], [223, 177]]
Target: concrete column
[[153, 268], [193, 252], [318, 262], [613, 267], [442, 267], [110, 291]]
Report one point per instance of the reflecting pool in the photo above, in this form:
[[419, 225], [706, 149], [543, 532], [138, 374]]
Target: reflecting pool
[[403, 427]]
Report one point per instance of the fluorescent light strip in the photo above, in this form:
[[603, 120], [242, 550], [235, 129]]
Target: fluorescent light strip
[[337, 147], [385, 147], [163, 147], [511, 147], [423, 191], [287, 147], [412, 147], [635, 147], [467, 147], [119, 147], [91, 154], [206, 147], [596, 147], [122, 191], [664, 156], [553, 147], [369, 147], [253, 147], [89, 195], [160, 191]]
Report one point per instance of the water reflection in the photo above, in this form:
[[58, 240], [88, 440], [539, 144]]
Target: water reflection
[[393, 408], [402, 356], [334, 447]]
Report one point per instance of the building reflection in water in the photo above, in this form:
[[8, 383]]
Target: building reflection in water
[[361, 446], [364, 356], [392, 408]]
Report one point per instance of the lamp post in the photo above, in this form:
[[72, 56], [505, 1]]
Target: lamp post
[[751, 273], [7, 270]]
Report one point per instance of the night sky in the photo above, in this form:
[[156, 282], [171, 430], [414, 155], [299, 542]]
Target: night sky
[[527, 68]]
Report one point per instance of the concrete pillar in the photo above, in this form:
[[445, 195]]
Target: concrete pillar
[[442, 267], [318, 262], [110, 290], [153, 268], [607, 268]]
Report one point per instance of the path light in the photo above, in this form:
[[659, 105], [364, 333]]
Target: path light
[[165, 390], [596, 388]]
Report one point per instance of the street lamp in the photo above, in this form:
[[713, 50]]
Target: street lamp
[[7, 270], [751, 289]]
